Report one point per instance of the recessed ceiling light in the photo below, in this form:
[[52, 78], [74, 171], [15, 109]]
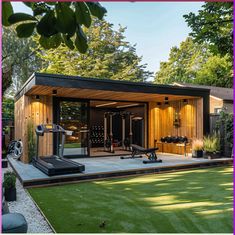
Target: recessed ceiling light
[[127, 105], [54, 92], [105, 104]]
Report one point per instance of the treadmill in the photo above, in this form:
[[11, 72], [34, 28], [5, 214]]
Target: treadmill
[[54, 165]]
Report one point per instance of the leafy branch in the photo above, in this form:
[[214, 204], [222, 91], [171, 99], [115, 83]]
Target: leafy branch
[[55, 22]]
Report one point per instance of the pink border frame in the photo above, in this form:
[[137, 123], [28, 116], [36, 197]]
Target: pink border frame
[[110, 1]]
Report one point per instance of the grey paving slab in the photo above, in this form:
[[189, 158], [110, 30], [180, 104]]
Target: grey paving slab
[[98, 165]]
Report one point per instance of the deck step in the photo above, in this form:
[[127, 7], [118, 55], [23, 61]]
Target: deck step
[[63, 179]]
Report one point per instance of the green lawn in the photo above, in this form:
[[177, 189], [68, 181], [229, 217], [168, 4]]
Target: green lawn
[[196, 201], [72, 145]]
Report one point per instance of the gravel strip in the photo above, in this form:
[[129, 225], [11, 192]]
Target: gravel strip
[[25, 206]]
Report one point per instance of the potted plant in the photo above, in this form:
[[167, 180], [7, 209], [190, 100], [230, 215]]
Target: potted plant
[[211, 146], [4, 152], [197, 148], [9, 185], [4, 159]]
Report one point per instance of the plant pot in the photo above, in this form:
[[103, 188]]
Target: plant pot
[[212, 155], [4, 163], [197, 154], [10, 194], [4, 156], [228, 151]]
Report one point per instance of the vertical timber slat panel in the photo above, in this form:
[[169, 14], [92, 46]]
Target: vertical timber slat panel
[[199, 118], [26, 109], [152, 117], [191, 122]]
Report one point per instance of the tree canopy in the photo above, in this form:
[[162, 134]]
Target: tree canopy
[[109, 56], [217, 71], [183, 63], [55, 22], [206, 56], [214, 25], [8, 109], [19, 59], [192, 62]]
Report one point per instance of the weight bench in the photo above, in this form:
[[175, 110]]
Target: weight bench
[[150, 153]]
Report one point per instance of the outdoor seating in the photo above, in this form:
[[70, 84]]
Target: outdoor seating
[[14, 223]]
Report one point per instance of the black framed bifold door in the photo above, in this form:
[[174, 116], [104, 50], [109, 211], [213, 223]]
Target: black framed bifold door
[[73, 116]]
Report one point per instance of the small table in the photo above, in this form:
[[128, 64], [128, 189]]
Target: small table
[[185, 148]]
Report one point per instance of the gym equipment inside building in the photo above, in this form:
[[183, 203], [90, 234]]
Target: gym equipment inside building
[[54, 164], [115, 126]]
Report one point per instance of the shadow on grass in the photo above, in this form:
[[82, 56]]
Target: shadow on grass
[[183, 202]]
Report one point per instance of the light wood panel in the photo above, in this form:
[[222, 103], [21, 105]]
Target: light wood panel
[[173, 148], [28, 109], [102, 94], [161, 122], [151, 124], [199, 118]]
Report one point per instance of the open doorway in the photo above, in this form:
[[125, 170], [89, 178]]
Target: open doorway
[[114, 126]]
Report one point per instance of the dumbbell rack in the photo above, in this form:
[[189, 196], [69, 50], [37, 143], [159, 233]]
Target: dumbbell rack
[[97, 136]]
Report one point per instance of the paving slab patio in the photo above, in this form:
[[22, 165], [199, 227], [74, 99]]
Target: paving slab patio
[[102, 166]]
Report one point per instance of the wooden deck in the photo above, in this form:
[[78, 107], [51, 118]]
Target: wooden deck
[[106, 167]]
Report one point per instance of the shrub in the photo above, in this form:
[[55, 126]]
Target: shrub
[[4, 153], [224, 126], [31, 141], [9, 180], [211, 143], [197, 145]]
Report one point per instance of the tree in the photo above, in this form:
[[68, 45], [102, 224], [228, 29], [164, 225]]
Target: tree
[[19, 60], [8, 109], [55, 22], [213, 25], [194, 63], [217, 71], [183, 63], [109, 56]]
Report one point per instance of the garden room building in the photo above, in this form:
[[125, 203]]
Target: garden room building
[[93, 111]]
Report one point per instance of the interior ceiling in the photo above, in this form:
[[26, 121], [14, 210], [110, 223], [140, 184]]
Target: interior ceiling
[[103, 95], [112, 104]]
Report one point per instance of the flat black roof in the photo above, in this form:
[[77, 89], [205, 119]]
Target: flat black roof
[[56, 80]]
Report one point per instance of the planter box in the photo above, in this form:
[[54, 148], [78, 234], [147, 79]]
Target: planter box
[[10, 194], [197, 154], [4, 163], [212, 155]]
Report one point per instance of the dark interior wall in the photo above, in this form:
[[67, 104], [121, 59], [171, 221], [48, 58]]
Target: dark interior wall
[[97, 116], [97, 119], [138, 127]]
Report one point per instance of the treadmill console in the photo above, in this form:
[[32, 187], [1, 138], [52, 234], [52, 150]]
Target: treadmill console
[[48, 128]]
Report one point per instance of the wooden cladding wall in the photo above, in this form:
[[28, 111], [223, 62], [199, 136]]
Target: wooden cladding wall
[[161, 120], [27, 110]]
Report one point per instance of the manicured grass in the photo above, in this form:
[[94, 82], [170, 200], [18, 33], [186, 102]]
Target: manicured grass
[[73, 145], [196, 201]]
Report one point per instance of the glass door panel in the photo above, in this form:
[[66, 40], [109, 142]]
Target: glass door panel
[[73, 118]]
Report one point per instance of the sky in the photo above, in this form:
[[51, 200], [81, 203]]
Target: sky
[[155, 27]]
